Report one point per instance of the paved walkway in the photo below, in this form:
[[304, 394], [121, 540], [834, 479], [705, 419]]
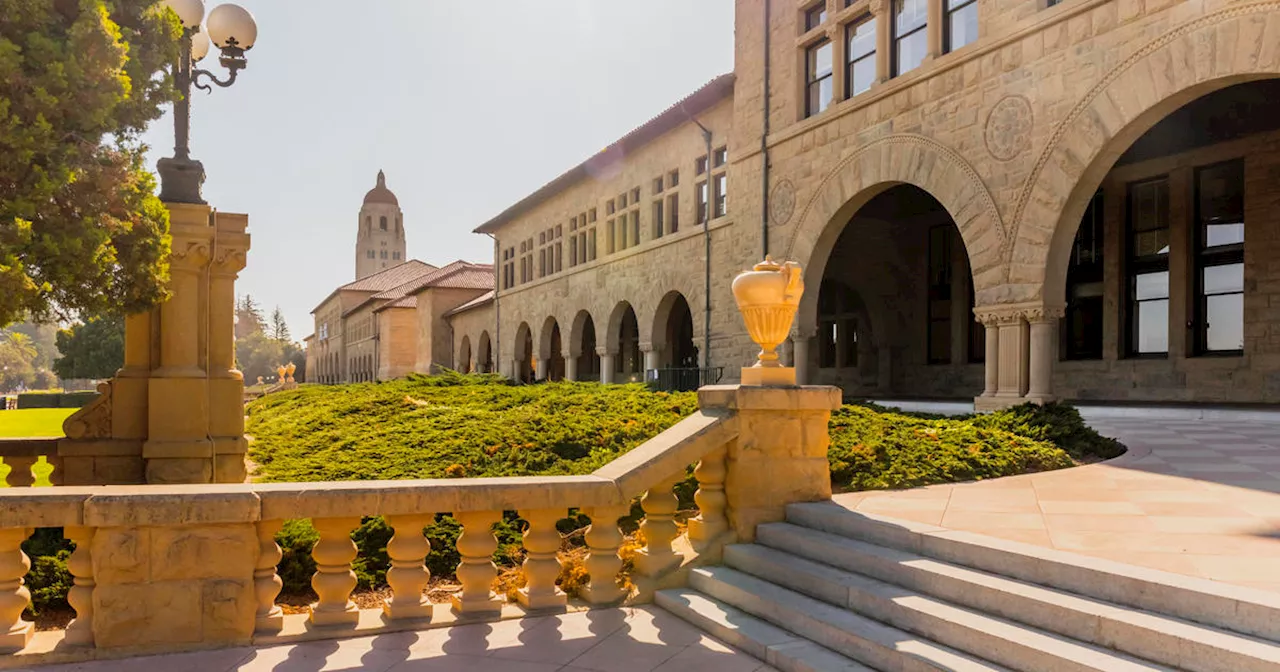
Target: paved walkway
[[1196, 497], [641, 639]]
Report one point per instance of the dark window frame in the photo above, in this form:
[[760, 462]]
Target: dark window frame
[[1135, 266], [1209, 257], [850, 61], [948, 14], [896, 38], [1091, 234], [812, 79]]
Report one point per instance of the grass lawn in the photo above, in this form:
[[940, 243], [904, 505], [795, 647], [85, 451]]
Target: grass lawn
[[32, 423]]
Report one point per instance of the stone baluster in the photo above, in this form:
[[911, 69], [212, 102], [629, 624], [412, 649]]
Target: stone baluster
[[55, 476], [408, 575], [658, 529], [476, 572], [541, 566], [20, 475], [15, 633], [603, 564], [711, 521], [334, 580], [80, 564], [266, 583]]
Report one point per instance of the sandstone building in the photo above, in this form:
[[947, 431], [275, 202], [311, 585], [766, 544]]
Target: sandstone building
[[1007, 199], [390, 320]]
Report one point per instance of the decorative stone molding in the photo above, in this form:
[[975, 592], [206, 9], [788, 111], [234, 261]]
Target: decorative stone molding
[[1014, 313], [782, 201], [1008, 129], [93, 421]]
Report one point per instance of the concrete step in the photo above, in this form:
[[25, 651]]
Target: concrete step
[[869, 642], [1017, 646], [1163, 639], [1220, 605], [776, 646]]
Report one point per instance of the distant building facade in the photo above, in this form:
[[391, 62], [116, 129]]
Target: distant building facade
[[1004, 199], [389, 321]]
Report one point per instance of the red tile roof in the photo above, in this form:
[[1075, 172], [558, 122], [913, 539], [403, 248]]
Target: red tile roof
[[709, 94], [482, 300], [457, 275]]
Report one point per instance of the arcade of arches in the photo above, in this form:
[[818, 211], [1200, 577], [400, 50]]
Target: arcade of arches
[[1163, 289]]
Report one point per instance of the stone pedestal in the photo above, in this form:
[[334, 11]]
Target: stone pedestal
[[780, 455]]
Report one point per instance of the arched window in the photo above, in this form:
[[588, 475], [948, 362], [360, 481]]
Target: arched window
[[382, 223], [837, 326]]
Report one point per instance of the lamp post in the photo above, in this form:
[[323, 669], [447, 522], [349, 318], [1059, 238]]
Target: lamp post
[[232, 30]]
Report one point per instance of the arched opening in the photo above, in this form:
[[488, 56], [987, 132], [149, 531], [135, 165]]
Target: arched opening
[[898, 263], [484, 354], [524, 370], [464, 355], [588, 360], [677, 356], [1160, 259], [628, 365], [551, 351]]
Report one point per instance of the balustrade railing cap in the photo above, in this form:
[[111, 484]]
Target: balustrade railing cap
[[755, 398]]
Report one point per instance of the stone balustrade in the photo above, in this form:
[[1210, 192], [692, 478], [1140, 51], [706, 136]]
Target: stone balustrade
[[21, 455]]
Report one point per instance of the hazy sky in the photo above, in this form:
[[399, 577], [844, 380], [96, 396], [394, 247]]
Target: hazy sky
[[468, 106]]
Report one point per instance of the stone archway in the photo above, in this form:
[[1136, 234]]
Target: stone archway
[[622, 343], [550, 351], [464, 355], [878, 166], [584, 357], [672, 333], [484, 354], [1156, 80], [523, 370]]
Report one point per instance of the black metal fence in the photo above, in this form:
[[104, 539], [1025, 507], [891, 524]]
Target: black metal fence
[[681, 380]]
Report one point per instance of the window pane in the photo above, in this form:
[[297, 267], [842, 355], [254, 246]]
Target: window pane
[[1221, 192], [1153, 327], [911, 51], [820, 94], [1225, 322], [962, 26], [1151, 286], [819, 61], [862, 39], [1223, 234], [909, 15], [863, 75], [815, 16], [1224, 279]]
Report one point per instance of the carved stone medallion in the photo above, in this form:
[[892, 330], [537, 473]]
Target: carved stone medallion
[[782, 202], [1008, 132]]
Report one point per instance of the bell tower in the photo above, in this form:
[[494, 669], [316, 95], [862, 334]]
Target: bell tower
[[380, 238]]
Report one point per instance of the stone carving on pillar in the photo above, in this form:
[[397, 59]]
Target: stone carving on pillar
[[1008, 130], [94, 420], [768, 296], [1021, 349]]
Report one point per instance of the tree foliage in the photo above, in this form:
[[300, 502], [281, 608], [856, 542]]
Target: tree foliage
[[81, 230], [93, 349], [249, 318], [279, 327], [16, 355]]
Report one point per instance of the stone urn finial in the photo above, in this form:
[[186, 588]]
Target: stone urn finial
[[768, 296], [259, 380], [280, 374], [288, 370]]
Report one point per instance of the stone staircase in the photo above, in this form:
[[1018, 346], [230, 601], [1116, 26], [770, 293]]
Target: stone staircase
[[831, 589]]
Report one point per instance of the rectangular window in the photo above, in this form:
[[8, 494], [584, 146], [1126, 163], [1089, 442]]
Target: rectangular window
[[700, 206], [1148, 268], [939, 328], [559, 256], [635, 227], [860, 52], [608, 208], [1082, 323], [542, 263], [591, 245], [622, 231], [658, 224], [673, 178], [722, 196], [815, 16], [573, 251], [622, 201], [635, 196], [719, 157], [657, 185], [700, 165], [960, 19], [673, 213], [818, 85], [611, 243], [910, 39], [1220, 258], [591, 215]]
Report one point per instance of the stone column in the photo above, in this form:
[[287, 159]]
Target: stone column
[[780, 455], [992, 380], [881, 10], [540, 365], [1043, 351], [178, 448], [606, 365], [129, 387], [226, 383], [800, 355], [570, 367], [1012, 366], [651, 353], [933, 30]]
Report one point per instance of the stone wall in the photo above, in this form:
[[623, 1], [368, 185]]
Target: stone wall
[[397, 342], [474, 327]]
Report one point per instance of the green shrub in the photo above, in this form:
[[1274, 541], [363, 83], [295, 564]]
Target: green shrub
[[38, 400], [75, 399], [1058, 424], [49, 580]]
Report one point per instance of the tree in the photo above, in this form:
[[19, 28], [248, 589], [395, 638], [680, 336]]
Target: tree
[[248, 317], [81, 230], [43, 338], [258, 355], [16, 354], [279, 328], [93, 349]]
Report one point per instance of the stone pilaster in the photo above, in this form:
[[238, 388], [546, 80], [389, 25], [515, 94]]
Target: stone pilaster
[[606, 365], [226, 383], [1043, 330], [1021, 348]]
